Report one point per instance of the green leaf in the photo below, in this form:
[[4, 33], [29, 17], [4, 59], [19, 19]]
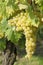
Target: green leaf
[[35, 22], [2, 44], [23, 2], [15, 37], [8, 33], [3, 25]]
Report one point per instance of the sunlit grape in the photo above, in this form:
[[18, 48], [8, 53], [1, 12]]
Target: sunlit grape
[[23, 22]]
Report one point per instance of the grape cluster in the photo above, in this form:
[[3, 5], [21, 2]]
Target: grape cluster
[[30, 42], [23, 22]]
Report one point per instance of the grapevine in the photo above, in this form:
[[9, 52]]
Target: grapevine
[[21, 16]]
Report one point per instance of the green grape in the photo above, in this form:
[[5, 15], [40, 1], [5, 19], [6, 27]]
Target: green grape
[[30, 43], [23, 22]]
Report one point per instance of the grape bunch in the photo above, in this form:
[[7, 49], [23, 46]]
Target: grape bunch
[[30, 42], [22, 22]]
